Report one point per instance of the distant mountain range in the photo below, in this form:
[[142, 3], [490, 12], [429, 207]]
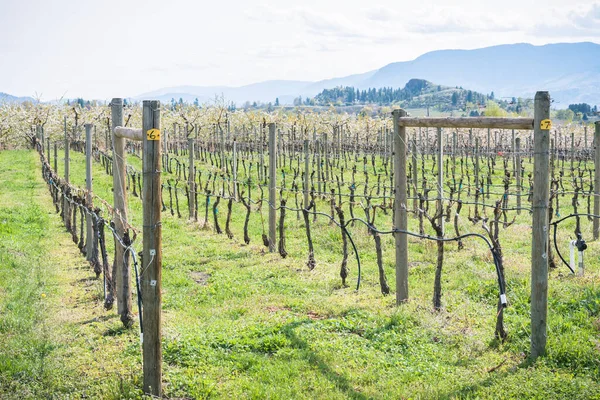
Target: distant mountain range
[[570, 71], [7, 98]]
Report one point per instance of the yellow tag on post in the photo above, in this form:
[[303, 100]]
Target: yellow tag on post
[[545, 124], [153, 134]]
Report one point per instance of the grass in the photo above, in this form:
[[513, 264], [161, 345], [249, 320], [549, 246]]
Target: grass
[[240, 322]]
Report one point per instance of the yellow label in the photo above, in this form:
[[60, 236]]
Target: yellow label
[[545, 124], [153, 134]]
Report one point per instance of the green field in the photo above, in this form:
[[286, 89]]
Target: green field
[[242, 323]]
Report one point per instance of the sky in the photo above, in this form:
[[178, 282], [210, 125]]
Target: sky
[[122, 48]]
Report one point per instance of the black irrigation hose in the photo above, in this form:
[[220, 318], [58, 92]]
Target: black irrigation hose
[[501, 283], [139, 292], [555, 223]]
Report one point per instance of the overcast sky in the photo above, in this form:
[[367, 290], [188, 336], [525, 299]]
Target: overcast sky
[[121, 48]]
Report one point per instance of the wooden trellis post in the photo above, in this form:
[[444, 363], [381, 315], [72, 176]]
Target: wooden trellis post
[[88, 187], [122, 270], [306, 175], [151, 275], [272, 188], [539, 242], [400, 211], [191, 176], [518, 173], [596, 226]]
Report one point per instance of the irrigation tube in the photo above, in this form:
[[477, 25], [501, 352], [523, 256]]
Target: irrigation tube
[[137, 286], [501, 283], [555, 224]]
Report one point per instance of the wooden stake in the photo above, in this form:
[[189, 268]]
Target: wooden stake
[[272, 188], [88, 187], [400, 211], [306, 175], [539, 251], [191, 177], [122, 269], [596, 226], [518, 173], [151, 274]]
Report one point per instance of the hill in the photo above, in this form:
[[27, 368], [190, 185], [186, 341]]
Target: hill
[[570, 71], [7, 98]]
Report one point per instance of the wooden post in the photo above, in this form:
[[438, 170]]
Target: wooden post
[[122, 269], [400, 211], [222, 137], [317, 145], [513, 148], [272, 188], [572, 151], [191, 177], [306, 175], [56, 157], [596, 226], [415, 174], [539, 243], [66, 205], [66, 152], [476, 172], [325, 149], [152, 251], [518, 173], [48, 148], [88, 187], [261, 148], [440, 180], [235, 196]]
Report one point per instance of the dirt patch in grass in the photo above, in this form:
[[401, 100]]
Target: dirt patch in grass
[[201, 278]]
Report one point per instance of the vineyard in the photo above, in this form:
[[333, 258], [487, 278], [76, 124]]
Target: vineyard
[[280, 246]]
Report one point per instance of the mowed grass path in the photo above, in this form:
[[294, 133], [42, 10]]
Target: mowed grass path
[[241, 323]]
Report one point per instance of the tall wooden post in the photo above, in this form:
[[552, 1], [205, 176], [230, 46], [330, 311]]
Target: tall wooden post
[[67, 213], [317, 145], [400, 211], [596, 226], [66, 151], [476, 172], [306, 175], [56, 157], [152, 250], [539, 251], [88, 187], [48, 148], [222, 140], [514, 159], [191, 177], [518, 172], [415, 174], [234, 169], [572, 151], [122, 269], [440, 180], [272, 187]]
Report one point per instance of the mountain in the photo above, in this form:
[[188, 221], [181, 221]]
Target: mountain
[[570, 71], [264, 92], [7, 98]]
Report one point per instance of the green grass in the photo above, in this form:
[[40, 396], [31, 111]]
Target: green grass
[[257, 326]]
